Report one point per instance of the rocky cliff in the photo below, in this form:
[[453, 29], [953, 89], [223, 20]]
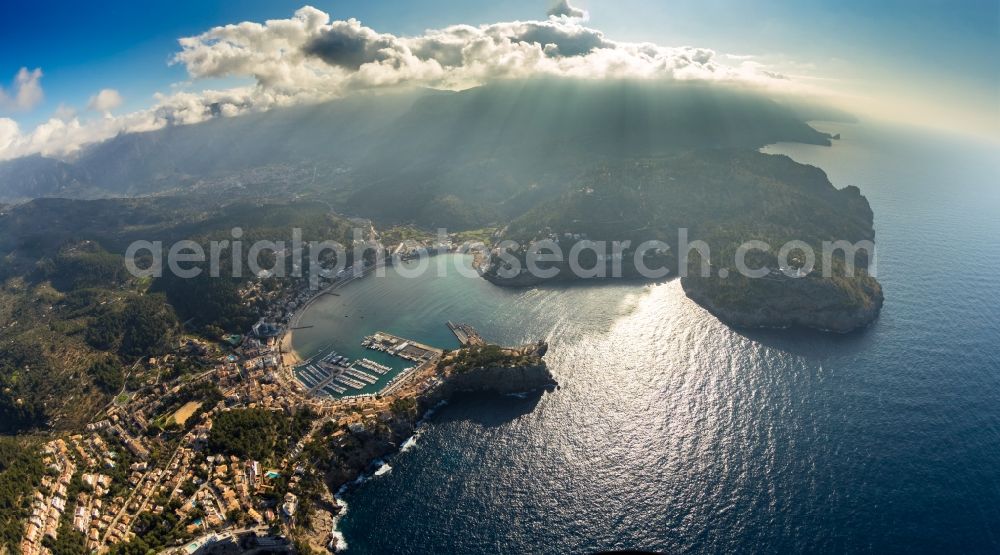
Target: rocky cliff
[[837, 305], [492, 369], [502, 380]]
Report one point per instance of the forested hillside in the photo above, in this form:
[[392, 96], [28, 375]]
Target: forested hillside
[[73, 321]]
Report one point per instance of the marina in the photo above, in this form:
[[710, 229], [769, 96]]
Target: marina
[[406, 349], [360, 331], [368, 378], [374, 366], [330, 373], [332, 389], [333, 374], [348, 381]]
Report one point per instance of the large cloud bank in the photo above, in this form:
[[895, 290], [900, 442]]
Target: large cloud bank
[[309, 58]]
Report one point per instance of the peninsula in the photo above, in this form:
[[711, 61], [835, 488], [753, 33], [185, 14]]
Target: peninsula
[[718, 199]]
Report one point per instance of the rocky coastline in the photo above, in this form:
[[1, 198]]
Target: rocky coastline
[[519, 370], [815, 303]]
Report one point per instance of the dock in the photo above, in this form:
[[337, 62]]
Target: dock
[[406, 349], [466, 334], [330, 373], [374, 366], [325, 377]]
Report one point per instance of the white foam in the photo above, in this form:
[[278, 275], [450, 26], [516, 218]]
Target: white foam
[[409, 444], [337, 540], [337, 537]]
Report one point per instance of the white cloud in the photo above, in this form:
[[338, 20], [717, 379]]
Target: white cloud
[[105, 101], [25, 93], [9, 132], [562, 8], [309, 58], [64, 112]]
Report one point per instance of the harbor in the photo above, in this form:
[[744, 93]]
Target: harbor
[[332, 374], [387, 333], [407, 349]]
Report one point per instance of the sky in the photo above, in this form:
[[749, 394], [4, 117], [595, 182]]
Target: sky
[[89, 65]]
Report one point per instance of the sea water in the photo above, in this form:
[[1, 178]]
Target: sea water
[[673, 432]]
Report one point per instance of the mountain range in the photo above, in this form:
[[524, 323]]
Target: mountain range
[[459, 159]]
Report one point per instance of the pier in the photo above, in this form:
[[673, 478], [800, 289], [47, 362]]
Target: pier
[[367, 364], [329, 373], [403, 348], [360, 375], [466, 334], [333, 374]]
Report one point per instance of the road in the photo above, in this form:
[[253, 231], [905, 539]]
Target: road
[[138, 487]]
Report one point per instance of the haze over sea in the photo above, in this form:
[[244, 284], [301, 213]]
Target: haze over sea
[[673, 432]]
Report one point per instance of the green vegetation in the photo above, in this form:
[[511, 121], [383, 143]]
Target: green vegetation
[[460, 160], [482, 235], [22, 370], [257, 434], [724, 198], [188, 488], [403, 405], [153, 533], [213, 303], [486, 356], [203, 393], [108, 375], [71, 316], [20, 473], [726, 194], [138, 327], [236, 516], [398, 234], [69, 541], [83, 266]]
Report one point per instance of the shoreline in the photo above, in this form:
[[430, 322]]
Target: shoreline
[[289, 356], [339, 479], [337, 538]]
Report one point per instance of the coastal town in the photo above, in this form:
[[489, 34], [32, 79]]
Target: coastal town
[[173, 458]]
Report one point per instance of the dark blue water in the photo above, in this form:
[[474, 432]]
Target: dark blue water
[[672, 432]]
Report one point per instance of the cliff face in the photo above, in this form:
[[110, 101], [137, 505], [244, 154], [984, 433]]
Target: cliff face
[[492, 369], [501, 380], [815, 303], [723, 198]]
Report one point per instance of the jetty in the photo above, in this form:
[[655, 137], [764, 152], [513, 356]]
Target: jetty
[[466, 334], [333, 374], [363, 376], [374, 366], [407, 349]]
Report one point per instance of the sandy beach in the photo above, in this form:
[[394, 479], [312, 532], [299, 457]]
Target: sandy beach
[[289, 357]]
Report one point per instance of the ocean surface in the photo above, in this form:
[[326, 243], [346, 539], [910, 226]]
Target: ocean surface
[[672, 432]]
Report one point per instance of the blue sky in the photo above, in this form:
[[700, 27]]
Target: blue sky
[[917, 51]]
